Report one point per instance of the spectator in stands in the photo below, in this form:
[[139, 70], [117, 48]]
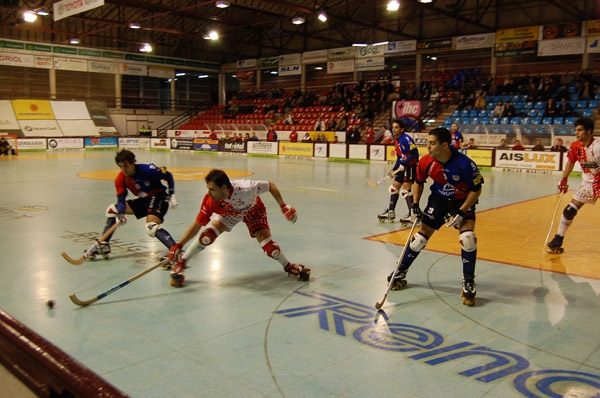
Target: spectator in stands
[[532, 93], [294, 136], [518, 146], [225, 136], [388, 137], [558, 146], [271, 133], [499, 109], [550, 109], [462, 102], [306, 137], [5, 147], [480, 102], [253, 137], [212, 135], [331, 125], [457, 137], [471, 144], [538, 146], [509, 110], [247, 137], [353, 135], [289, 119], [586, 91], [502, 144], [369, 134], [342, 123], [564, 109], [319, 125]]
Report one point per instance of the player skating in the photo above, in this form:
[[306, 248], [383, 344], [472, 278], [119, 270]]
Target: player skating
[[455, 190], [229, 203], [403, 173], [586, 151], [152, 202]]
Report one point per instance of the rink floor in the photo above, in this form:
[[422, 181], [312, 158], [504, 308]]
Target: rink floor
[[242, 327]]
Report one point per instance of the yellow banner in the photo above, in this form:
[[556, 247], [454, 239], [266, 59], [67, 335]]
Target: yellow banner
[[296, 148], [329, 135], [32, 109], [592, 28], [517, 35], [481, 157]]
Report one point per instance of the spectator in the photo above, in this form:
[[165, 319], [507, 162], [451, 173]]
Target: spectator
[[499, 109], [271, 134], [289, 119], [388, 138], [538, 146], [471, 144], [564, 109], [5, 147], [331, 126], [341, 124], [480, 102], [518, 146], [558, 146], [550, 110], [319, 125], [253, 137], [369, 134], [457, 137], [502, 144], [353, 135], [509, 110], [212, 135], [294, 136]]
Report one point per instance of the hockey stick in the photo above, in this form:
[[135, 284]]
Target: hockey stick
[[552, 223], [381, 180], [83, 303], [105, 235], [378, 305]]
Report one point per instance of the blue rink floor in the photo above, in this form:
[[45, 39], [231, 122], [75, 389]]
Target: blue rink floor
[[243, 328]]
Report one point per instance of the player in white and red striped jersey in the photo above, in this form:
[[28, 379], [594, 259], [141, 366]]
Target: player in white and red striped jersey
[[586, 151]]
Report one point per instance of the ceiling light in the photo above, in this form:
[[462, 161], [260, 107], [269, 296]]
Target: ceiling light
[[298, 21], [29, 16], [381, 43], [425, 1], [222, 4], [74, 40], [42, 12], [393, 5], [359, 45], [212, 35], [146, 48], [202, 76], [134, 25], [322, 17]]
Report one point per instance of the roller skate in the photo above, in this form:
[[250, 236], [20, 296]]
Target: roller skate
[[389, 215], [555, 245], [97, 249], [399, 279], [177, 278], [299, 270], [468, 292]]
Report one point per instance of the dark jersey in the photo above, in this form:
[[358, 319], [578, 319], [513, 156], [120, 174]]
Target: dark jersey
[[407, 153], [457, 138], [453, 179], [147, 181]]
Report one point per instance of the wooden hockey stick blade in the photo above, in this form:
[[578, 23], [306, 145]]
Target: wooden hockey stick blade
[[373, 184], [102, 238], [83, 303], [72, 260], [379, 305]]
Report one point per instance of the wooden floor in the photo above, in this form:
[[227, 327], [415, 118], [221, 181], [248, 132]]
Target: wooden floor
[[242, 327]]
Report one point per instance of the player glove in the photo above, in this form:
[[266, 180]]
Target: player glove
[[563, 185], [454, 218], [393, 172], [289, 212], [416, 211], [121, 219], [175, 252], [173, 201]]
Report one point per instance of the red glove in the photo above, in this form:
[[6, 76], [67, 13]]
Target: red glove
[[289, 212], [563, 185], [175, 252]]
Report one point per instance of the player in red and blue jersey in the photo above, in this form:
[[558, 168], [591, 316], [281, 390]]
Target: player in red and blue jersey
[[454, 193], [403, 172], [153, 199]]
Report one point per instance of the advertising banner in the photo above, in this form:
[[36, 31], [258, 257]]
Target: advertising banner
[[182, 144], [290, 70], [371, 51], [481, 157], [66, 8], [76, 128], [77, 65], [8, 121], [103, 67], [396, 47], [342, 53], [340, 66], [101, 142], [290, 59], [14, 59], [70, 110], [232, 147], [531, 160], [160, 143], [470, 42], [374, 63], [312, 57], [377, 152], [296, 149], [32, 144], [575, 45], [247, 63], [560, 31], [32, 109], [205, 145], [262, 148], [42, 62], [65, 143], [40, 128], [516, 41], [437, 44], [134, 69], [188, 133], [134, 142]]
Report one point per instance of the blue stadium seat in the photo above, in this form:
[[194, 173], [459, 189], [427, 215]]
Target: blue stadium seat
[[490, 106], [593, 104], [539, 105], [484, 120], [515, 120], [484, 113], [506, 98], [587, 112], [527, 129], [528, 105], [474, 113], [574, 96], [597, 96], [569, 121], [505, 120], [526, 120], [466, 128], [495, 120], [456, 120], [558, 121], [533, 113], [536, 120], [464, 113], [547, 121], [456, 113], [465, 120], [516, 98], [448, 121], [519, 105], [475, 120], [582, 104]]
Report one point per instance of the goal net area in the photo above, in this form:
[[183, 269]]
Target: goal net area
[[12, 148]]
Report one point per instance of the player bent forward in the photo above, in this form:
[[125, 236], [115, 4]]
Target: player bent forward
[[455, 190], [586, 151], [232, 202], [152, 202]]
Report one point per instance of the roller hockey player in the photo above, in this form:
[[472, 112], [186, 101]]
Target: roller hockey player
[[455, 190], [403, 173], [152, 202], [229, 203], [586, 151]]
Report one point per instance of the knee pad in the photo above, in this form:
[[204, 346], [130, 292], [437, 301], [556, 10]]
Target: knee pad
[[271, 248], [405, 193], [208, 236], [468, 241], [111, 211], [393, 190], [151, 228], [418, 242], [570, 211]]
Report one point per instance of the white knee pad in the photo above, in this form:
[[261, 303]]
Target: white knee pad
[[418, 242], [151, 228], [111, 211], [468, 241], [392, 190], [405, 193]]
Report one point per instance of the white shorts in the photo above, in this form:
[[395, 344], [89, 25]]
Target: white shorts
[[585, 193]]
